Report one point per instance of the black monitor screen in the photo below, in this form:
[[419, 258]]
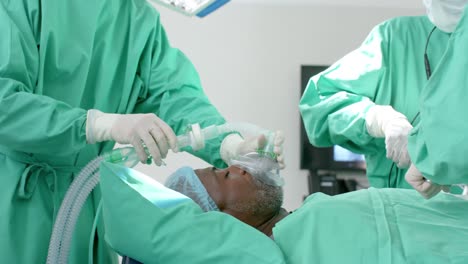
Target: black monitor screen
[[325, 158]]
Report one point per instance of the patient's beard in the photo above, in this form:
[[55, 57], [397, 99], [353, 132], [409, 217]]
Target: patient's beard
[[267, 226]]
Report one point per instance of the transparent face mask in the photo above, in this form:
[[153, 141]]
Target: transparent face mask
[[262, 167]]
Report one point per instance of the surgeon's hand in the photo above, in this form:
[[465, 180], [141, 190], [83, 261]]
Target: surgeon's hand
[[278, 149], [425, 187], [234, 145], [137, 129], [384, 121]]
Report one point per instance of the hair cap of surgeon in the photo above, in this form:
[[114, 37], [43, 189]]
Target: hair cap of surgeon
[[185, 181]]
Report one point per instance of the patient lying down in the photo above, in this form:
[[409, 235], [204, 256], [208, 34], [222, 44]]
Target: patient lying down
[[366, 226], [369, 225], [233, 191]]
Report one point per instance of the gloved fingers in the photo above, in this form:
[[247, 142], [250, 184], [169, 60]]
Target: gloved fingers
[[278, 150], [403, 164], [425, 188], [279, 138], [390, 147], [169, 134], [152, 147], [160, 139], [414, 177], [139, 149], [230, 147], [278, 142], [252, 144], [436, 190], [396, 140], [280, 160], [390, 153], [446, 188], [398, 153], [404, 160], [412, 171], [261, 142], [428, 189]]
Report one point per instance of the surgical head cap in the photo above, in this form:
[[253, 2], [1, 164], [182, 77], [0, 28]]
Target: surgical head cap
[[261, 167], [185, 181]]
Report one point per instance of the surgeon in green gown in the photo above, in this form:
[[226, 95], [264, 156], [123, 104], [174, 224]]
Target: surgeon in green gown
[[438, 144], [76, 77], [368, 101]]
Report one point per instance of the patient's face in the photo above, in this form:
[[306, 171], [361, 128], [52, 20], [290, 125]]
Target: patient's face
[[227, 186]]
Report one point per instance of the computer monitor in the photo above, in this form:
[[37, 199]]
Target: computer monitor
[[333, 158]]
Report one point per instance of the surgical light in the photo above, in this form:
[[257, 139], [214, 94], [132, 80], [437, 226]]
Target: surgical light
[[198, 8]]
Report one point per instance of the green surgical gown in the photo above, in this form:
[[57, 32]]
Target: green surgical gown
[[439, 144], [387, 69], [384, 226], [57, 60]]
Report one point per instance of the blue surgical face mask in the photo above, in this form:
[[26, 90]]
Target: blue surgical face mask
[[185, 181]]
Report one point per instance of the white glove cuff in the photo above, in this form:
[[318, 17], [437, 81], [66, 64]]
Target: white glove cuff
[[229, 147], [99, 126], [378, 116]]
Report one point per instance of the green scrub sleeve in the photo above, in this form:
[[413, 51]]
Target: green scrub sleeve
[[175, 95], [29, 121], [335, 102]]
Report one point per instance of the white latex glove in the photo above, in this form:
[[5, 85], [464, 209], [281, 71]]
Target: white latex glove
[[234, 145], [425, 187], [384, 121], [278, 149], [135, 129]]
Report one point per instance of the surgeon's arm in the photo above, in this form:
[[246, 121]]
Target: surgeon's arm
[[335, 102], [31, 122], [174, 94]]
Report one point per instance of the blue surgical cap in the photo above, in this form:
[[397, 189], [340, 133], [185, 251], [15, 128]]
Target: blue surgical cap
[[185, 181]]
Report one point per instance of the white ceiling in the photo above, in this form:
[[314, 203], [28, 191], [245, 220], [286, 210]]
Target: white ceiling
[[376, 3]]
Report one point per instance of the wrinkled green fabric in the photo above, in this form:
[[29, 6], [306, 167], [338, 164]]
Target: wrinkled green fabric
[[387, 69], [376, 226], [439, 144], [153, 224], [59, 59]]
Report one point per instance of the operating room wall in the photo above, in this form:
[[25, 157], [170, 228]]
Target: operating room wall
[[249, 58]]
